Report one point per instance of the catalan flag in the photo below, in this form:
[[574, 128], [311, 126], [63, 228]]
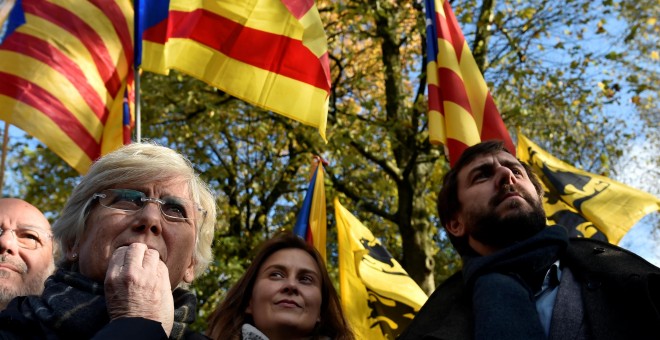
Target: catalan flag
[[588, 205], [379, 298], [311, 223], [271, 53], [461, 110], [65, 73]]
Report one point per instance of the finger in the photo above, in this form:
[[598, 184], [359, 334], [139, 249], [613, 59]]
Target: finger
[[164, 276], [116, 262], [135, 255], [151, 259]]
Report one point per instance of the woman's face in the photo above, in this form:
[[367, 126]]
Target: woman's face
[[108, 229], [286, 298]]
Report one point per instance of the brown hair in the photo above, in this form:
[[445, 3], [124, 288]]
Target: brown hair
[[226, 321], [448, 204]]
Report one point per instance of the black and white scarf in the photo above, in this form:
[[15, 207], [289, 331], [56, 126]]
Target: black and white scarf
[[73, 306]]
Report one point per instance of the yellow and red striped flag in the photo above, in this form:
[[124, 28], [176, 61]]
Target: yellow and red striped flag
[[461, 110], [271, 53], [65, 75]]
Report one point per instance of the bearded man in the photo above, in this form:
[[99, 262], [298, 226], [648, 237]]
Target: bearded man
[[522, 279]]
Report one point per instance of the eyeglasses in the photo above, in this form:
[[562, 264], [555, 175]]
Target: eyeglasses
[[173, 208], [27, 238]]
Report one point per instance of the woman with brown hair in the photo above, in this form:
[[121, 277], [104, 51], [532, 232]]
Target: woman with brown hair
[[285, 293]]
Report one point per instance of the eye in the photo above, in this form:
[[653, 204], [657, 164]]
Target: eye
[[28, 235], [124, 199], [517, 171], [480, 176], [174, 209], [307, 279], [276, 275]]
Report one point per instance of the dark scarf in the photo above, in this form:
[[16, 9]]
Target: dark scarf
[[503, 285], [73, 306]]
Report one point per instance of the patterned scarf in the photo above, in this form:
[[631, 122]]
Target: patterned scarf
[[73, 306]]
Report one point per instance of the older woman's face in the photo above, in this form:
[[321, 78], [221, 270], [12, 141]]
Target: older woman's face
[[108, 229], [286, 298]]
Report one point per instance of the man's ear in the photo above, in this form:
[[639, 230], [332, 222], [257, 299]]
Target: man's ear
[[455, 227]]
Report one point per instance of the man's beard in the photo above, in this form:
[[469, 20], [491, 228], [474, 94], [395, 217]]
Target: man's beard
[[33, 285], [493, 230]]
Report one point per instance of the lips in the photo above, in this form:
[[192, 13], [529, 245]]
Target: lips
[[12, 267], [287, 303]]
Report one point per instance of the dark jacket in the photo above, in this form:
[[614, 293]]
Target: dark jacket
[[14, 326], [620, 293]]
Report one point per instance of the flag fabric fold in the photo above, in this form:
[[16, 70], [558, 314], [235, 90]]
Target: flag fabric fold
[[378, 296], [271, 53], [311, 223], [65, 74], [461, 110], [588, 205]]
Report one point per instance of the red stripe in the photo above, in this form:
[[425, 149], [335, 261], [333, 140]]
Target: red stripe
[[493, 127], [74, 25], [452, 88], [112, 10], [38, 49], [35, 96], [298, 7], [450, 30], [268, 51], [434, 99], [456, 149]]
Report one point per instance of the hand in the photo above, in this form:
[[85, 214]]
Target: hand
[[137, 284]]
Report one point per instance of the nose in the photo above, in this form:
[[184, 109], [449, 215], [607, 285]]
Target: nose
[[8, 242], [150, 219], [504, 176], [290, 286]]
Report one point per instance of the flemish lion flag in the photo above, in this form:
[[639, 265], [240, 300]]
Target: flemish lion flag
[[65, 73], [271, 53], [461, 110], [589, 205], [378, 296]]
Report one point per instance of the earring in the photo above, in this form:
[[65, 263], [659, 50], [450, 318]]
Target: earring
[[74, 256]]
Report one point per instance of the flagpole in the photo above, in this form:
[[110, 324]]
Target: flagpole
[[138, 126], [5, 141]]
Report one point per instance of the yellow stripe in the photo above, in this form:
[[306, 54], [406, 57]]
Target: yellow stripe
[[35, 123], [460, 124], [95, 18], [437, 127], [289, 97], [314, 36], [432, 73], [447, 57], [55, 83], [75, 50], [113, 131], [264, 15], [475, 86], [317, 216]]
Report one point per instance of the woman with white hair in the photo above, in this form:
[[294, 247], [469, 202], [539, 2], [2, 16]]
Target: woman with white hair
[[135, 232]]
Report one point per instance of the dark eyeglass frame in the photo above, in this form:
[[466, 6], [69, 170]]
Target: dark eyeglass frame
[[28, 243], [144, 200]]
